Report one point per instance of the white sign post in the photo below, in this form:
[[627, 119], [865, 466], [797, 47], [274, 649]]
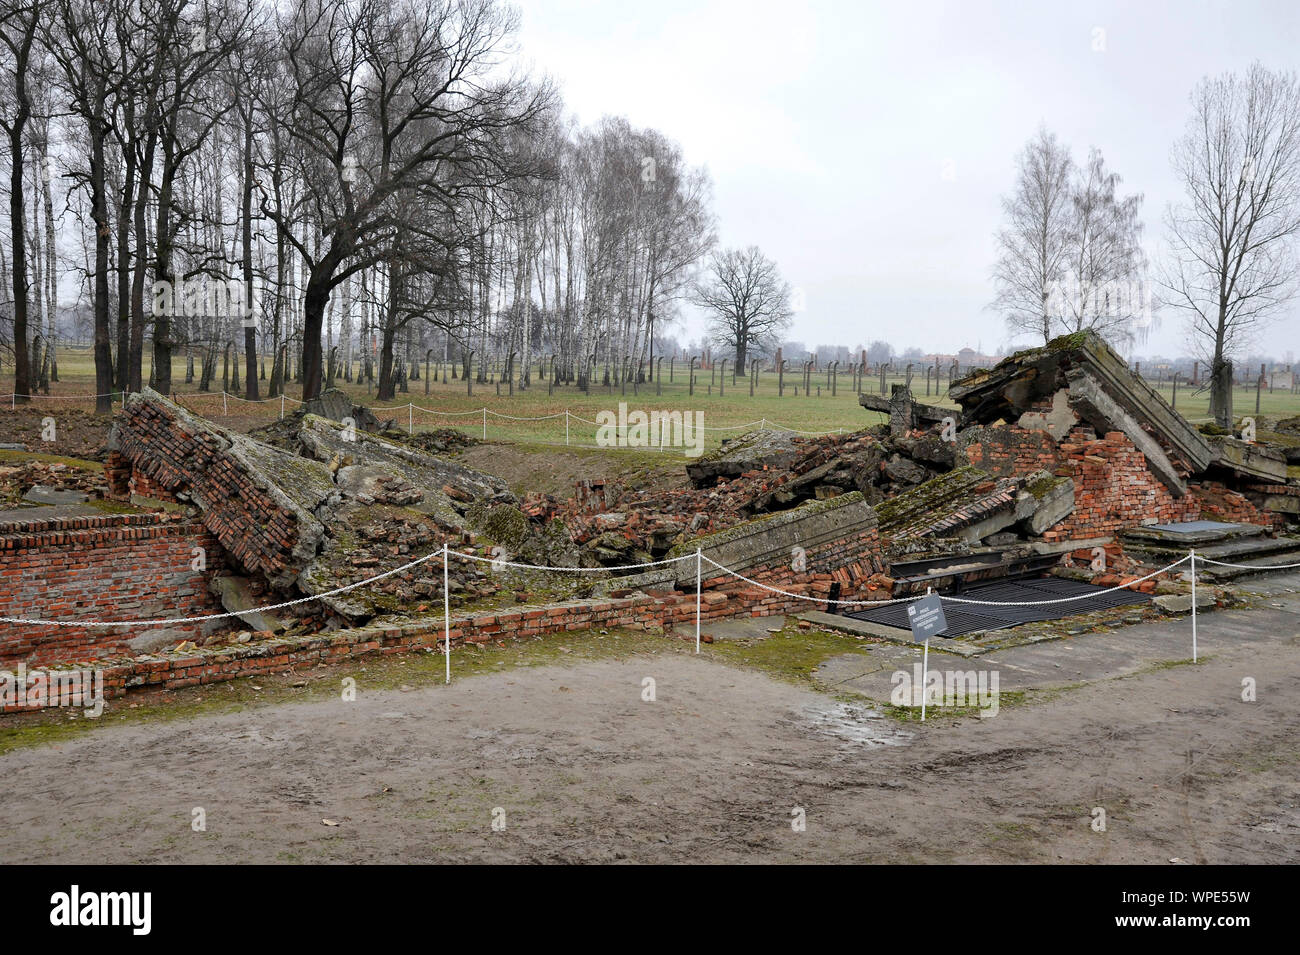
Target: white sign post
[[926, 617]]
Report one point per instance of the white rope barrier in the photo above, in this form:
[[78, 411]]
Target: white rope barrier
[[547, 417], [219, 616], [446, 554], [1202, 559], [1061, 600], [825, 600], [449, 414], [498, 563], [410, 408], [111, 394]]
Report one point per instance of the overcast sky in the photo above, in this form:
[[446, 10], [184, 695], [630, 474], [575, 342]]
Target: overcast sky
[[865, 145]]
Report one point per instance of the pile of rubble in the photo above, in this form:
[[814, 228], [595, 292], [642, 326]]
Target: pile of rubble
[[438, 441], [762, 473], [33, 483], [1054, 447], [1050, 458], [313, 504]]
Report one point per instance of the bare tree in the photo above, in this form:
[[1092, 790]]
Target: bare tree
[[1105, 286], [90, 84], [389, 98], [19, 23], [748, 301], [1233, 258], [1032, 248]]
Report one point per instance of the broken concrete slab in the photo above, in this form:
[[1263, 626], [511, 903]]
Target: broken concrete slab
[[1057, 421], [368, 484], [338, 447], [1030, 380], [1182, 603], [237, 597], [337, 406], [905, 412], [771, 541], [961, 503], [905, 471], [865, 628], [752, 452], [972, 505], [1253, 460], [1187, 533], [928, 448], [151, 641], [40, 494], [281, 516], [816, 537], [1050, 500]]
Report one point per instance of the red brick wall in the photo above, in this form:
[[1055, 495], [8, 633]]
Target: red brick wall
[[1215, 502], [1012, 451], [158, 456], [1113, 487], [122, 566], [723, 597], [663, 610]]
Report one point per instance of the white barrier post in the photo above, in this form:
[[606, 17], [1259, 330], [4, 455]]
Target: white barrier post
[[410, 418], [1193, 604], [925, 669], [446, 611], [566, 427], [485, 424], [282, 405], [698, 558], [223, 403]]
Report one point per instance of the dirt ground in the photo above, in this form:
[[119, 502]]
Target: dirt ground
[[555, 471], [579, 768], [78, 434]]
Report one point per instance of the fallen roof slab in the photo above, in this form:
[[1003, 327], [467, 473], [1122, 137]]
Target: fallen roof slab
[[1018, 383], [1253, 460]]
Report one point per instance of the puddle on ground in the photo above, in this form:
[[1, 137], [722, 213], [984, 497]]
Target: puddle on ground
[[854, 723]]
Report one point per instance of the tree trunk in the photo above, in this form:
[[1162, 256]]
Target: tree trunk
[[249, 318], [1221, 392], [18, 228], [99, 204], [315, 298]]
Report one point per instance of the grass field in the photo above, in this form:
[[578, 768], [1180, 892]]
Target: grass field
[[726, 407]]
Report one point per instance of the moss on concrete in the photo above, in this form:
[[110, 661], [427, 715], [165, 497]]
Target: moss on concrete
[[1045, 485], [744, 529]]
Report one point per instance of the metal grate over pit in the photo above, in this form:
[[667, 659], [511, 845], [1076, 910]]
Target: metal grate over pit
[[969, 618]]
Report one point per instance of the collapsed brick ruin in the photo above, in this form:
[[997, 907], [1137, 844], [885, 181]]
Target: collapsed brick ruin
[[1052, 457]]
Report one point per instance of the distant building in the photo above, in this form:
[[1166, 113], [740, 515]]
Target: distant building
[[970, 358]]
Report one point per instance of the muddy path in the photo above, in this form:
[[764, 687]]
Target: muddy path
[[578, 767]]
